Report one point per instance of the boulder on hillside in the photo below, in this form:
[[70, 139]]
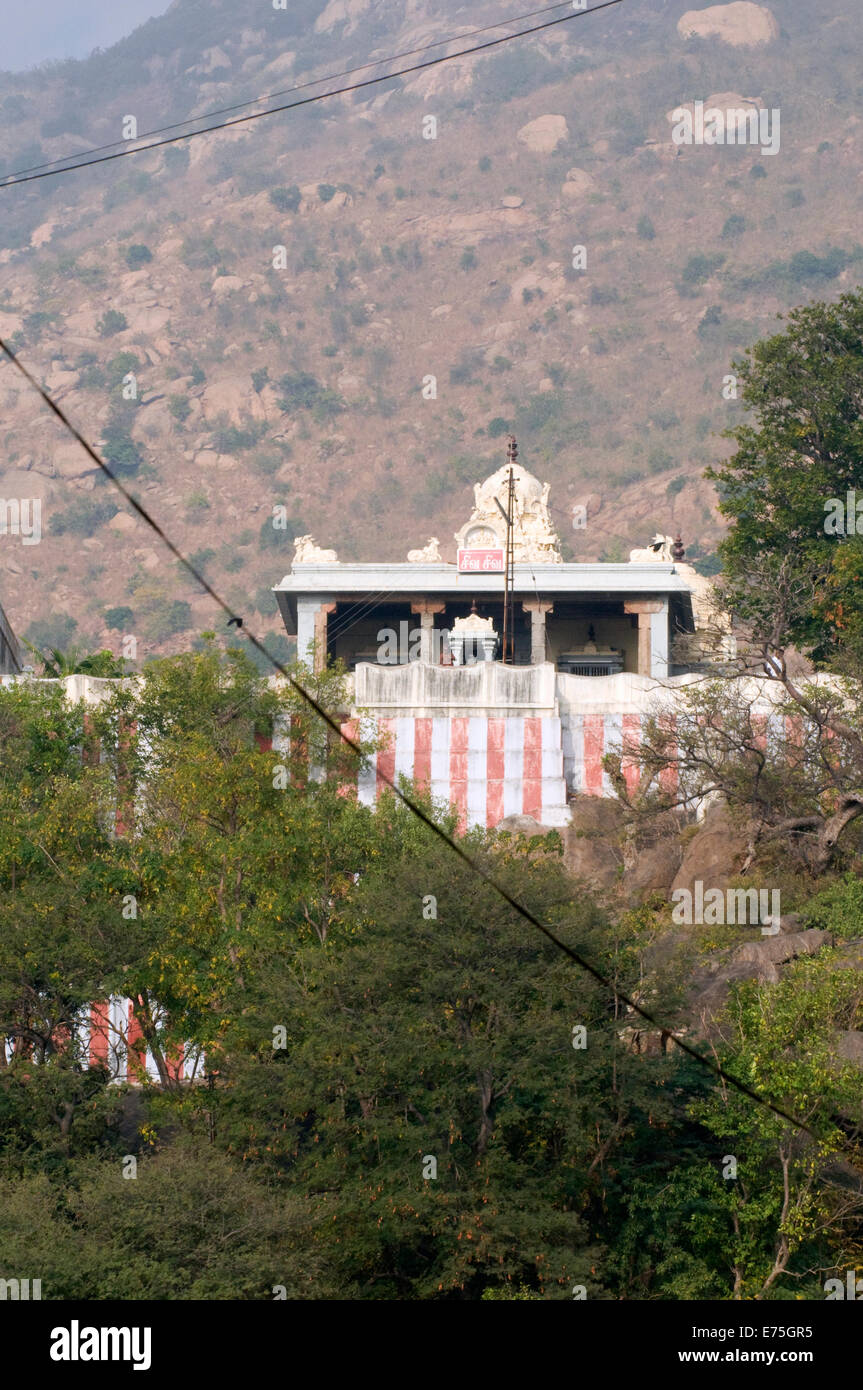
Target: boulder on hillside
[[751, 960], [592, 848], [652, 857], [715, 853], [543, 135], [741, 24]]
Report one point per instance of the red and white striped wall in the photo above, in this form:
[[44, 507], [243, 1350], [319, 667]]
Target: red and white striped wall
[[488, 768], [111, 1037]]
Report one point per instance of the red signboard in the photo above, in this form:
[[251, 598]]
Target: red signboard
[[480, 562]]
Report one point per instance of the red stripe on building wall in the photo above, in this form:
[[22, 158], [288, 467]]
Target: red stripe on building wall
[[351, 729], [136, 1049], [422, 751], [124, 818], [458, 769], [494, 772], [531, 803], [594, 745], [264, 743], [669, 777], [386, 763], [99, 1016], [631, 740]]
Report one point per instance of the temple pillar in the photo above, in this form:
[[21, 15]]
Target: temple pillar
[[652, 635], [427, 609], [537, 608], [321, 621], [312, 616]]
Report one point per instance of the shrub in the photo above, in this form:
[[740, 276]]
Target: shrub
[[111, 322], [286, 199], [138, 255], [180, 407], [700, 268], [838, 908], [600, 294], [275, 537], [232, 439], [326, 192], [734, 226], [54, 633], [120, 449], [120, 365], [83, 516], [497, 427], [645, 228], [118, 618], [302, 391], [468, 259]]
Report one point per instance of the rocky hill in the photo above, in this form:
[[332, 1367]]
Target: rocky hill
[[248, 318]]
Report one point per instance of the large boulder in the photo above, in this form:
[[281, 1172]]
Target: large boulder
[[543, 135], [751, 960], [592, 847], [715, 853], [741, 24]]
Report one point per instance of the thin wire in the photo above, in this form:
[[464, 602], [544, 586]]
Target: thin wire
[[299, 87], [308, 101], [713, 1067]]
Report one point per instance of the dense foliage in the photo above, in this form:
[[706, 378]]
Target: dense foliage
[[390, 1102]]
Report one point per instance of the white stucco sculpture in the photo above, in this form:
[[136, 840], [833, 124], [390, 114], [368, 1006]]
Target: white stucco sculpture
[[428, 555], [534, 538], [660, 550], [307, 553]]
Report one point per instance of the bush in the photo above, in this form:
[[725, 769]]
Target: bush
[[286, 199], [497, 427], [83, 516], [111, 322], [276, 538], [734, 226], [326, 192], [838, 908], [180, 407], [233, 440], [645, 228], [302, 391], [604, 294], [54, 633], [700, 267], [138, 255], [118, 618], [120, 366], [468, 259], [120, 449]]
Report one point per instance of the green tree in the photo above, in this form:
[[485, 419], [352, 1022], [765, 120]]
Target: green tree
[[786, 577]]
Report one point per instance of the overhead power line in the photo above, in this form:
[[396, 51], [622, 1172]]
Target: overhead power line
[[13, 182], [286, 91], [717, 1071]]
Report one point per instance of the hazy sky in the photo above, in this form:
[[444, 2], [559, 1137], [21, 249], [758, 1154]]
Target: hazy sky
[[33, 33]]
